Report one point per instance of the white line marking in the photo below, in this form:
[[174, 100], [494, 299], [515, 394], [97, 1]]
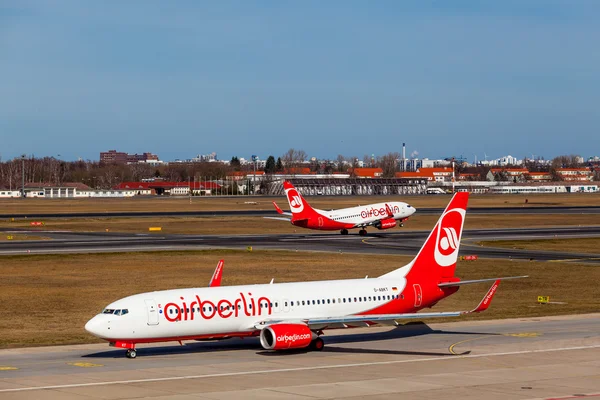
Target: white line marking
[[273, 371]]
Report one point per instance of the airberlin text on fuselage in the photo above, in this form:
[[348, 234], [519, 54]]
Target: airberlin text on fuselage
[[373, 212], [223, 308]]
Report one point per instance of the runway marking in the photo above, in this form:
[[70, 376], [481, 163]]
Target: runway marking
[[85, 365], [282, 370], [4, 368], [523, 334], [451, 348]]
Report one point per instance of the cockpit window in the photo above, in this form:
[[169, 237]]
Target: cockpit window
[[115, 312], [408, 206]]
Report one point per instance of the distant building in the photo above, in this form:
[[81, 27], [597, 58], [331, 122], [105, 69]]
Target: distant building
[[118, 157], [575, 174]]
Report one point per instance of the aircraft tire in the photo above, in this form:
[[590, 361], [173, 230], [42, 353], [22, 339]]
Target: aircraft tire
[[317, 344], [131, 353], [362, 232], [344, 231]]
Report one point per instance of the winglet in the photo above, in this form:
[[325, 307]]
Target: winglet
[[487, 299], [279, 210], [216, 278], [389, 211]]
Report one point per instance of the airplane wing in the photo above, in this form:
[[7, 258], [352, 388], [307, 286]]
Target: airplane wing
[[279, 218], [217, 275], [280, 211], [352, 321]]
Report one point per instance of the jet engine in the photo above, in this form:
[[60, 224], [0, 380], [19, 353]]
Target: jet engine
[[286, 336], [386, 223]]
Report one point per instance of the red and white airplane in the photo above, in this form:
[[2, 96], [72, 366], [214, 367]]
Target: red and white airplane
[[294, 315], [380, 215]]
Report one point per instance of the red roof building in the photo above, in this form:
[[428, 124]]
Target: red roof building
[[366, 172]]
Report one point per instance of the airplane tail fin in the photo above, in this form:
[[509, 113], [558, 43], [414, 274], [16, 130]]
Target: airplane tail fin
[[437, 258], [298, 205]]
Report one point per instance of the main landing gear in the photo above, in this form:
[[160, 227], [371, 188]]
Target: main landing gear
[[344, 231], [131, 353], [317, 344], [362, 232]]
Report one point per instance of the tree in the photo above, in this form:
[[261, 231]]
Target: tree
[[389, 164], [235, 163], [270, 166], [279, 165]]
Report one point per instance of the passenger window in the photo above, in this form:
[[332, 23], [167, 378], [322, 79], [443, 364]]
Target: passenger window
[[284, 304], [313, 302], [291, 303], [369, 298], [344, 299], [318, 301], [302, 302], [328, 301], [360, 299]]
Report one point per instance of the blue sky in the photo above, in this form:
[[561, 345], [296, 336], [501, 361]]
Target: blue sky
[[180, 78]]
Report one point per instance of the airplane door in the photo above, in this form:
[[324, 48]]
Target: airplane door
[[418, 295], [152, 312]]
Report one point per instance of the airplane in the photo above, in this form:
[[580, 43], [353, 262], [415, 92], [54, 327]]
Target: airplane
[[380, 215], [295, 315]]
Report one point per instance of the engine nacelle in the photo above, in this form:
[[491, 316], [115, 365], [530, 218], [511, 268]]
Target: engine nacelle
[[386, 223], [286, 336]]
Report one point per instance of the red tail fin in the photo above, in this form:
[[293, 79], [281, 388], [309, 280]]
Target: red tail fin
[[217, 275], [299, 207], [437, 258]]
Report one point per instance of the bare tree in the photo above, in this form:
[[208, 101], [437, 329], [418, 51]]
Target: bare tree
[[389, 164]]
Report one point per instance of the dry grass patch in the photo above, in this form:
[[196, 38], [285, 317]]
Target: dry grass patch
[[54, 295], [581, 245], [36, 205]]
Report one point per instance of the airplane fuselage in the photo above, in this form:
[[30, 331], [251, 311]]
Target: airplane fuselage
[[356, 217], [234, 311]]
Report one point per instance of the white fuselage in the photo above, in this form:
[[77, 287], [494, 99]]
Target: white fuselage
[[367, 215], [235, 310]]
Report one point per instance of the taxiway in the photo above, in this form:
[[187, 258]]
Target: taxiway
[[553, 357]]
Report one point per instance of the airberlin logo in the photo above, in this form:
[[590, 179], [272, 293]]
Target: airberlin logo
[[448, 237], [293, 338], [378, 212], [295, 200], [224, 308], [449, 242]]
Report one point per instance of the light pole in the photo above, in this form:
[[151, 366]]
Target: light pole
[[254, 158], [22, 175]]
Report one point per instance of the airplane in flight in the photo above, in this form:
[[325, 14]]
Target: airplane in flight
[[380, 215], [295, 315]]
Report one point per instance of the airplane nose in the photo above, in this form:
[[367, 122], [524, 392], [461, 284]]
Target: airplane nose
[[94, 326]]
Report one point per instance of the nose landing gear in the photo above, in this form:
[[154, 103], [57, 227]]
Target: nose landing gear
[[131, 353]]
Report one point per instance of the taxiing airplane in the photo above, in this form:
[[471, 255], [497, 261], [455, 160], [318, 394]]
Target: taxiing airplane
[[380, 215], [295, 315]]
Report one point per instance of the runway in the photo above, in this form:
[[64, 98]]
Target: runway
[[553, 357], [399, 242], [266, 213]]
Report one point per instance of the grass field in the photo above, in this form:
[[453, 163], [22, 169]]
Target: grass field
[[47, 299], [582, 245], [35, 205], [250, 225]]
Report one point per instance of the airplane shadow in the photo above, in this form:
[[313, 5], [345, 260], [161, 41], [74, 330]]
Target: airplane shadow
[[330, 338]]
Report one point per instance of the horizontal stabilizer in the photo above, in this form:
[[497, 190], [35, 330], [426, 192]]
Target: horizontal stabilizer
[[460, 283], [279, 218]]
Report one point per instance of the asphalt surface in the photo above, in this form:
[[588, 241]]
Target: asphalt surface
[[554, 357], [265, 213], [399, 242]]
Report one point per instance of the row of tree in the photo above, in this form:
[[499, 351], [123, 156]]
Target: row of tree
[[49, 170]]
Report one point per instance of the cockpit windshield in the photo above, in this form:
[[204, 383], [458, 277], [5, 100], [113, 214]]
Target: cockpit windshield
[[115, 312]]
